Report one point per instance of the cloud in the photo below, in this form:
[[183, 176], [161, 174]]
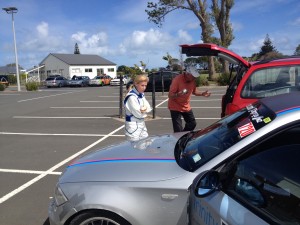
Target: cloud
[[42, 29], [147, 41], [184, 37], [41, 40], [296, 22], [94, 41], [237, 26]]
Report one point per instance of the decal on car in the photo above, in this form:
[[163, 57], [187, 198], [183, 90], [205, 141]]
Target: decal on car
[[246, 129], [121, 160]]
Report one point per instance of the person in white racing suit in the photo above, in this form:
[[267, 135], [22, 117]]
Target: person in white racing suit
[[136, 109]]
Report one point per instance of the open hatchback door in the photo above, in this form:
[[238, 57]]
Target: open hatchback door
[[208, 49], [238, 67]]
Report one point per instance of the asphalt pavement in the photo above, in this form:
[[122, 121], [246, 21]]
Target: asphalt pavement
[[42, 131]]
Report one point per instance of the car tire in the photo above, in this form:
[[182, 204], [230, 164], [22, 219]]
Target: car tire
[[101, 217], [59, 85]]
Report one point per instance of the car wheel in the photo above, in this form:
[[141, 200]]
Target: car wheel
[[59, 85], [96, 217]]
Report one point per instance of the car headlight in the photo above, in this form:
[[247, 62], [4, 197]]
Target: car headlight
[[59, 196]]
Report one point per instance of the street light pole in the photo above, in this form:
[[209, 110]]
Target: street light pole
[[12, 10]]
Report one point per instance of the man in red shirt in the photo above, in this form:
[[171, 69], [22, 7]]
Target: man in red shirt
[[181, 89]]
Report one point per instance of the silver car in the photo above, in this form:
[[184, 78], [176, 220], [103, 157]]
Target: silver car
[[79, 81], [56, 81], [257, 180], [147, 182], [96, 81], [116, 80]]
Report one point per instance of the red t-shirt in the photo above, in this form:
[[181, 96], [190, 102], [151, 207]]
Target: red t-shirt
[[182, 102]]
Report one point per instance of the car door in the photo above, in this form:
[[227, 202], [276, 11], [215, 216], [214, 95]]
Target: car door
[[260, 186]]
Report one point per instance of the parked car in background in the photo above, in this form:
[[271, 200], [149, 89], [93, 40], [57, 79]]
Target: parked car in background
[[4, 80], [106, 79], [96, 81], [163, 80], [79, 81], [106, 186], [251, 80], [56, 81], [256, 181], [116, 80]]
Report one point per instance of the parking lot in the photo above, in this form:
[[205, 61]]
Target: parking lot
[[41, 132]]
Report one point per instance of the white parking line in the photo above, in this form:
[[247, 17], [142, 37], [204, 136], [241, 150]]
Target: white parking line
[[60, 117], [28, 171], [168, 118], [75, 135], [52, 169], [196, 107], [47, 96], [10, 94], [99, 101], [91, 107]]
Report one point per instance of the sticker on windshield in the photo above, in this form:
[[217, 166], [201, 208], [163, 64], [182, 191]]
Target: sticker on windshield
[[267, 120], [196, 158], [246, 129]]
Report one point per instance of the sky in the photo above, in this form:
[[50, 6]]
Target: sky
[[119, 30]]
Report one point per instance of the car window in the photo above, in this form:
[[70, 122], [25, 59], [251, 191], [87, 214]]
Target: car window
[[195, 149], [272, 81], [267, 178], [50, 78]]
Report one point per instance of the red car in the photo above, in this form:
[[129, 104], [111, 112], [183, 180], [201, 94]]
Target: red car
[[251, 80]]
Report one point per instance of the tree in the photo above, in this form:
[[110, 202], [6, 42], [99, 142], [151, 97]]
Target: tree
[[76, 50], [297, 51], [158, 11], [221, 16], [267, 47], [168, 58]]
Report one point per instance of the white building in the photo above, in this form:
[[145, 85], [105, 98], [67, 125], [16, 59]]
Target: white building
[[69, 65]]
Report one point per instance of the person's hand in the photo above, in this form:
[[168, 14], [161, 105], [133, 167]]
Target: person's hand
[[205, 93], [183, 92], [143, 109]]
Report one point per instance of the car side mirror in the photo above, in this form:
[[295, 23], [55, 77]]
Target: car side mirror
[[206, 183]]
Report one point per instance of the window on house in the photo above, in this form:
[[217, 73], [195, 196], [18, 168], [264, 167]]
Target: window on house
[[88, 70], [111, 69], [75, 70], [100, 71]]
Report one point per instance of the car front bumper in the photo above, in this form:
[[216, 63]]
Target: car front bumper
[[59, 215]]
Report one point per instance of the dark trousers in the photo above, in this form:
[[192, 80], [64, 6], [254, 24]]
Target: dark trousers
[[189, 118]]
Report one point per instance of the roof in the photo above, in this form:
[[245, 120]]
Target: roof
[[81, 59], [283, 102], [9, 69]]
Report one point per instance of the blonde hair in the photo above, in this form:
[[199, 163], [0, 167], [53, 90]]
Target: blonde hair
[[141, 78]]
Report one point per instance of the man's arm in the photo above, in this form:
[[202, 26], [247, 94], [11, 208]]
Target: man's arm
[[197, 92]]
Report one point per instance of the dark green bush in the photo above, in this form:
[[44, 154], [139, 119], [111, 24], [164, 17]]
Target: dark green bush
[[2, 87], [223, 79], [32, 86], [201, 81], [12, 79]]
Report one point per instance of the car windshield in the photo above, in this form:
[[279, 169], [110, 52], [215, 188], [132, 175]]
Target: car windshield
[[196, 148], [50, 78]]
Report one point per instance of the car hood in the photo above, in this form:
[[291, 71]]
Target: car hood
[[208, 49], [150, 159]]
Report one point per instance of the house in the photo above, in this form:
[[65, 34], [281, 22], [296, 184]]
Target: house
[[69, 65]]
